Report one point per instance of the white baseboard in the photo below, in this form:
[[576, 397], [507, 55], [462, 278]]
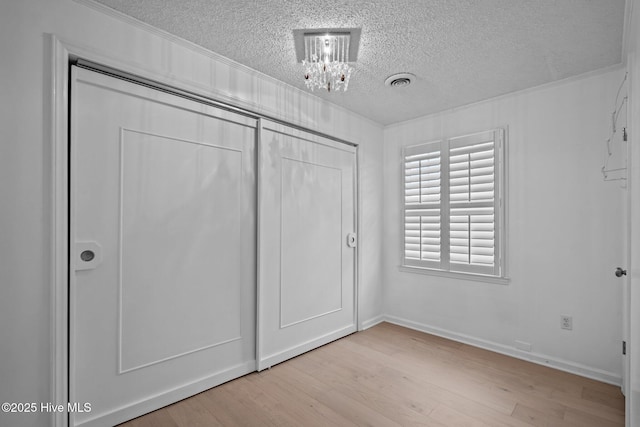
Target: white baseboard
[[540, 359], [170, 396], [366, 324], [270, 360]]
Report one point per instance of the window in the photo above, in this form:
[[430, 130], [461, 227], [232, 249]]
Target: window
[[453, 204]]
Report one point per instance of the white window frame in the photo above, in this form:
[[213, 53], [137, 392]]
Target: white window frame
[[441, 208]]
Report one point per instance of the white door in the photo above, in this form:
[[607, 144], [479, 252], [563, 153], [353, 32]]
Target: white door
[[307, 258], [162, 229]]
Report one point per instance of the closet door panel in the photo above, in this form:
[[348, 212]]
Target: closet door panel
[[307, 213], [163, 243]]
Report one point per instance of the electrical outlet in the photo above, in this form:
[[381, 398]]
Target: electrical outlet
[[566, 322]]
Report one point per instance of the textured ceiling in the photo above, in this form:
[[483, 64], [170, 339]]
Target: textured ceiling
[[461, 51]]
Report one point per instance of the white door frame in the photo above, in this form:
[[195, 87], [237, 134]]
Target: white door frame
[[60, 52], [631, 332], [632, 372]]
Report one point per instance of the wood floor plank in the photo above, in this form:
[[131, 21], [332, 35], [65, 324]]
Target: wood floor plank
[[159, 418], [604, 397], [390, 375], [268, 409], [420, 386], [536, 417], [451, 417], [580, 418], [369, 390], [228, 410], [193, 413], [540, 374], [355, 411], [589, 407], [445, 375], [302, 406]]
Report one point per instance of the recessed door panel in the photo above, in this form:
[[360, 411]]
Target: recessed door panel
[[311, 284], [168, 185]]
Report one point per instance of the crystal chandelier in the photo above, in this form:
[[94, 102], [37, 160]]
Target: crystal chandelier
[[325, 61]]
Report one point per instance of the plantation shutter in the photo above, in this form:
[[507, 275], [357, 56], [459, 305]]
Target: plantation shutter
[[473, 203], [423, 210], [452, 204]]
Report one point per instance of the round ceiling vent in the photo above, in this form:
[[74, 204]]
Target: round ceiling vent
[[399, 80]]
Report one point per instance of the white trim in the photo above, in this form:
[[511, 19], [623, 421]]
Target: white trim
[[165, 398], [259, 263], [370, 323], [275, 358], [538, 358], [358, 253], [455, 275], [59, 259], [504, 203]]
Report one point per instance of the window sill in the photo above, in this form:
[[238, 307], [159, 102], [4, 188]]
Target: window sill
[[456, 275]]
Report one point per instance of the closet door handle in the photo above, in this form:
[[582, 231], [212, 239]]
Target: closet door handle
[[88, 255], [620, 272]]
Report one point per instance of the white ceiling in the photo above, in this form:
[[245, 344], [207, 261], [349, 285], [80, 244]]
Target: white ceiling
[[461, 51]]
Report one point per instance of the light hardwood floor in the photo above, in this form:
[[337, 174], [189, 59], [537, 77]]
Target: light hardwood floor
[[392, 376]]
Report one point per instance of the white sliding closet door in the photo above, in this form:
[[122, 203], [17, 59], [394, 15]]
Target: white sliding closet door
[[307, 211], [162, 290]]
